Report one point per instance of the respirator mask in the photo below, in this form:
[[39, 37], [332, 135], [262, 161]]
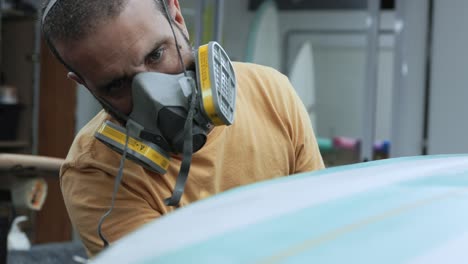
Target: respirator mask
[[170, 111]]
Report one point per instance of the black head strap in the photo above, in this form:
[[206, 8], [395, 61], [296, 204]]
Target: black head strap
[[47, 9]]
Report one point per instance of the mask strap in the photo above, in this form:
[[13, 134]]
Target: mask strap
[[47, 9], [169, 18], [118, 179], [187, 153]]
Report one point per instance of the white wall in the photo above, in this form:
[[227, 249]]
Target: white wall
[[343, 117], [86, 107], [237, 22], [238, 19], [448, 123], [409, 129], [340, 56]]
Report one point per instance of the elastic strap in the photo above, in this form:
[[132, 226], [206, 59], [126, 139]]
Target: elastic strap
[[187, 154], [117, 181]]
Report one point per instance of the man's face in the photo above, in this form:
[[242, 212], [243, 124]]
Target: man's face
[[138, 40]]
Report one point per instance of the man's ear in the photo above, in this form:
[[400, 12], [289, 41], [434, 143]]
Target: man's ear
[[73, 76], [176, 12]]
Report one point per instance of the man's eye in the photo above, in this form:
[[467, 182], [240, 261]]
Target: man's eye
[[155, 56]]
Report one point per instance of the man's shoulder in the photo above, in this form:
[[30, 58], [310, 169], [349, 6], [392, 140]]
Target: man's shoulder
[[258, 80], [85, 145], [91, 127], [252, 70]]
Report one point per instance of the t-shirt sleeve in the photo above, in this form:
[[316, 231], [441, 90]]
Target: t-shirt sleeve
[[308, 157], [130, 211]]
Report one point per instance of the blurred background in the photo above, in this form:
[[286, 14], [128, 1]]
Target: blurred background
[[379, 79]]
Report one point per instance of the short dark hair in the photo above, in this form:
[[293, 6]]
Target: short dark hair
[[73, 20]]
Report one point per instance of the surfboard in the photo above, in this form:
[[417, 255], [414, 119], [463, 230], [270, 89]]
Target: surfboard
[[411, 210]]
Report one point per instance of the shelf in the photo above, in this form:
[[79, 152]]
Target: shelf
[[13, 144]]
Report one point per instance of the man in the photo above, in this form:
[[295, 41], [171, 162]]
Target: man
[[105, 44]]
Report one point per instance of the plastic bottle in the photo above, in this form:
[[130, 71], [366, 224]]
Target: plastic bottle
[[17, 239]]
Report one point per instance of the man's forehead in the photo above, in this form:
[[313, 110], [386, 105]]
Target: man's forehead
[[123, 39]]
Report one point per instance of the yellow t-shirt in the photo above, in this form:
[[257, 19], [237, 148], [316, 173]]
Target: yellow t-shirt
[[271, 137]]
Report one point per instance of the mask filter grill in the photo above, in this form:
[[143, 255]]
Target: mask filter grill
[[218, 83]]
